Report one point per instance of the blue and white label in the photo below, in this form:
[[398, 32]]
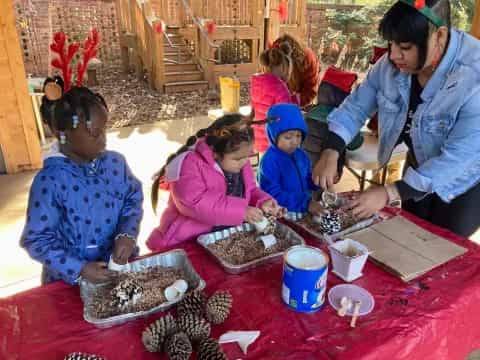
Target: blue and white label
[[304, 278]]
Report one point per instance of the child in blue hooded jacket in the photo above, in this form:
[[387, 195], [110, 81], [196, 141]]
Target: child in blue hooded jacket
[[285, 170]]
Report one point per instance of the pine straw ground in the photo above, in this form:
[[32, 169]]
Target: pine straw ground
[[132, 102]]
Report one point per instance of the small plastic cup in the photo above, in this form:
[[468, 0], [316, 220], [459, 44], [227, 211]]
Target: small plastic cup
[[112, 265], [171, 293], [176, 290], [181, 286], [329, 198], [261, 225], [268, 240]]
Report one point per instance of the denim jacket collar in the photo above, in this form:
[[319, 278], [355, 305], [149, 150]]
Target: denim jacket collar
[[440, 76]]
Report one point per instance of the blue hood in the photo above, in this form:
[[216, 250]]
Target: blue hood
[[289, 118]]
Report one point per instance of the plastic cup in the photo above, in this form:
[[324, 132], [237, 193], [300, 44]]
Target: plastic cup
[[112, 265], [261, 225], [181, 286]]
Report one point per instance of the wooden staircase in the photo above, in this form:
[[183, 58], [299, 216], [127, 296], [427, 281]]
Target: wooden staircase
[[182, 72]]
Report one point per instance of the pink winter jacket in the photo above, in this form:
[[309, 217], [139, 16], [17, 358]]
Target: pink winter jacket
[[267, 90], [198, 199]]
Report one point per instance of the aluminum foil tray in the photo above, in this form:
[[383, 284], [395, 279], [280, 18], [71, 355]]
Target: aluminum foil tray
[[329, 239], [211, 238], [174, 258]]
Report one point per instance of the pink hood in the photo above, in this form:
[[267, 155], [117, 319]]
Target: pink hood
[[197, 199]]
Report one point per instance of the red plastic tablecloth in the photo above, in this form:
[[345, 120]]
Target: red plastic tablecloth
[[434, 317]]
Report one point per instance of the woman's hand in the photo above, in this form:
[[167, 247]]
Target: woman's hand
[[124, 247], [368, 203], [253, 215], [316, 209], [325, 172], [97, 272]]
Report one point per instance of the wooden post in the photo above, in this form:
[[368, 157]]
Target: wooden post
[[274, 27], [302, 20], [158, 67], [257, 8], [19, 142], [476, 21], [149, 46]]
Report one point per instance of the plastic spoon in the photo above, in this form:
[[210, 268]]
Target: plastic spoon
[[356, 309], [345, 305]]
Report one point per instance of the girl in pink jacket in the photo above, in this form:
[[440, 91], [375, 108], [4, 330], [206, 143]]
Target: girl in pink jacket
[[270, 87], [211, 184]]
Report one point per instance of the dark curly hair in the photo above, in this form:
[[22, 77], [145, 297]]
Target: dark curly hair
[[224, 136]]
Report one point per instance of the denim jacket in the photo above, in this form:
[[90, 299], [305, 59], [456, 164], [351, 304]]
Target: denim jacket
[[445, 127]]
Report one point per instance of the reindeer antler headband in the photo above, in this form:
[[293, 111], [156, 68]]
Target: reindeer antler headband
[[52, 90]]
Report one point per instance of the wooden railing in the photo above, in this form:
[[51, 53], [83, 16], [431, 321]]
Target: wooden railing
[[238, 21], [137, 31], [230, 12]]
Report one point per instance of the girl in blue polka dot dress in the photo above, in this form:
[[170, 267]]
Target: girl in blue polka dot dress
[[85, 205]]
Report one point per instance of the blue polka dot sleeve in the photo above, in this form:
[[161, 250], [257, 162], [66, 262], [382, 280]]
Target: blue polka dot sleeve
[[40, 233], [132, 210]]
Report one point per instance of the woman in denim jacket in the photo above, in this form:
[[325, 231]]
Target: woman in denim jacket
[[427, 93]]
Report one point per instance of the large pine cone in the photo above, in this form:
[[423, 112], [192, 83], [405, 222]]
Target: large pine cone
[[193, 303], [156, 333], [196, 327], [83, 356], [178, 347], [210, 350], [218, 307]]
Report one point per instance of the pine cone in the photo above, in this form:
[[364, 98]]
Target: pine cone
[[193, 303], [178, 347], [156, 333], [210, 350], [218, 307], [83, 356], [331, 223], [126, 293], [196, 327]]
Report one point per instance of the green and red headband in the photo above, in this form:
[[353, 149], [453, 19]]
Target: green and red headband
[[426, 11]]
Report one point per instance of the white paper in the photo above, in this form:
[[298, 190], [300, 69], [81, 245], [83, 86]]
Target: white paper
[[243, 338], [268, 240]]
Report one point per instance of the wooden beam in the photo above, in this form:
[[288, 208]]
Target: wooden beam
[[242, 32], [19, 141], [476, 21]]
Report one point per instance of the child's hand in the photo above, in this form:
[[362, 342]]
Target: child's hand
[[253, 215], [316, 209], [271, 207], [97, 272], [123, 249]]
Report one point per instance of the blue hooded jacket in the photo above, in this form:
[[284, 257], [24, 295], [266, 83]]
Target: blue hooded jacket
[[286, 177]]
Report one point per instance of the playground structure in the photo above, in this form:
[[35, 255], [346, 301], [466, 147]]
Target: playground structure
[[183, 45], [188, 53]]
